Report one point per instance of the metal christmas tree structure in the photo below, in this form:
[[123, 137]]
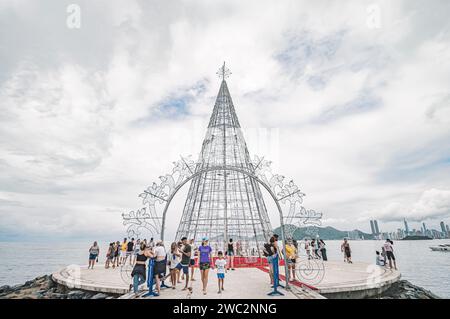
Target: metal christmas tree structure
[[224, 199], [225, 204]]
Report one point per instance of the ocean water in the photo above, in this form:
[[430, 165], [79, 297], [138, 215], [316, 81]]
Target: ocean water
[[417, 263]]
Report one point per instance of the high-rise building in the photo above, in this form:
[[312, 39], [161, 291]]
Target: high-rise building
[[444, 231], [372, 227], [424, 230], [436, 234], [377, 230], [406, 227], [448, 231]]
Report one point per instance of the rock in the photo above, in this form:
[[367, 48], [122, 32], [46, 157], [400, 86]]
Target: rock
[[100, 296], [44, 277], [75, 294], [405, 290], [62, 289], [51, 290], [5, 289], [16, 288], [50, 283], [88, 295]]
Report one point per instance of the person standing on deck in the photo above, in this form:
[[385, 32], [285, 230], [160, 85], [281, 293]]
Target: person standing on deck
[[276, 251], [115, 260], [185, 260], [123, 251], [307, 249], [390, 253], [94, 251], [268, 253], [139, 272], [291, 257], [130, 250], [180, 248], [160, 264], [230, 254], [174, 263], [315, 249], [345, 248], [220, 266], [192, 261], [109, 255], [137, 248], [205, 262], [323, 250]]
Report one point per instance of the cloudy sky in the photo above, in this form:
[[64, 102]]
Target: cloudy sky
[[351, 99]]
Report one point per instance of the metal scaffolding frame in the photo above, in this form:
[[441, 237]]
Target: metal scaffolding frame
[[225, 204], [224, 199]]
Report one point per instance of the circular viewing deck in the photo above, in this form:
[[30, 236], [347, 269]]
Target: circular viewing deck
[[340, 280]]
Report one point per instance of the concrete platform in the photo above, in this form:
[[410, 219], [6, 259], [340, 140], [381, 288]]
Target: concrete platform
[[340, 280], [250, 283], [355, 281]]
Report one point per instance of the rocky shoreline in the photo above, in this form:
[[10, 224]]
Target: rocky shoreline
[[45, 288], [403, 289]]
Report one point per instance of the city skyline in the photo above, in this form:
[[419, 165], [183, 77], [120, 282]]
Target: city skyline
[[423, 230]]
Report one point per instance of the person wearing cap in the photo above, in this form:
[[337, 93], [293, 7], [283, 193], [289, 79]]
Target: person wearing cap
[[205, 262]]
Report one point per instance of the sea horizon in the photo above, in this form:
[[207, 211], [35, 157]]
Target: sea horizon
[[416, 262]]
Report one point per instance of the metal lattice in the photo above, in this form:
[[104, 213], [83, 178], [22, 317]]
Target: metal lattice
[[224, 199], [224, 204]]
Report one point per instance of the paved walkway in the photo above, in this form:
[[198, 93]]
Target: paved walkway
[[335, 279]]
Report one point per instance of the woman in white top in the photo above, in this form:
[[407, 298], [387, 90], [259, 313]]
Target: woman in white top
[[174, 263], [160, 264], [94, 251]]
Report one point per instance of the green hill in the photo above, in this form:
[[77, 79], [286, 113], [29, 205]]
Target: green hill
[[325, 233]]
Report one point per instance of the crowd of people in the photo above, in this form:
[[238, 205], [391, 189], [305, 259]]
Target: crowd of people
[[178, 264], [314, 249], [180, 261]]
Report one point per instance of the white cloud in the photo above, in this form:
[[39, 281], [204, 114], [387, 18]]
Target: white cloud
[[432, 204], [360, 114]]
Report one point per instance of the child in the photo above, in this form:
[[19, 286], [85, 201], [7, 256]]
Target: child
[[220, 266], [379, 260]]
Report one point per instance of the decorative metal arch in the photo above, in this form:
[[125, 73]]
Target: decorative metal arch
[[220, 168], [184, 171]]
